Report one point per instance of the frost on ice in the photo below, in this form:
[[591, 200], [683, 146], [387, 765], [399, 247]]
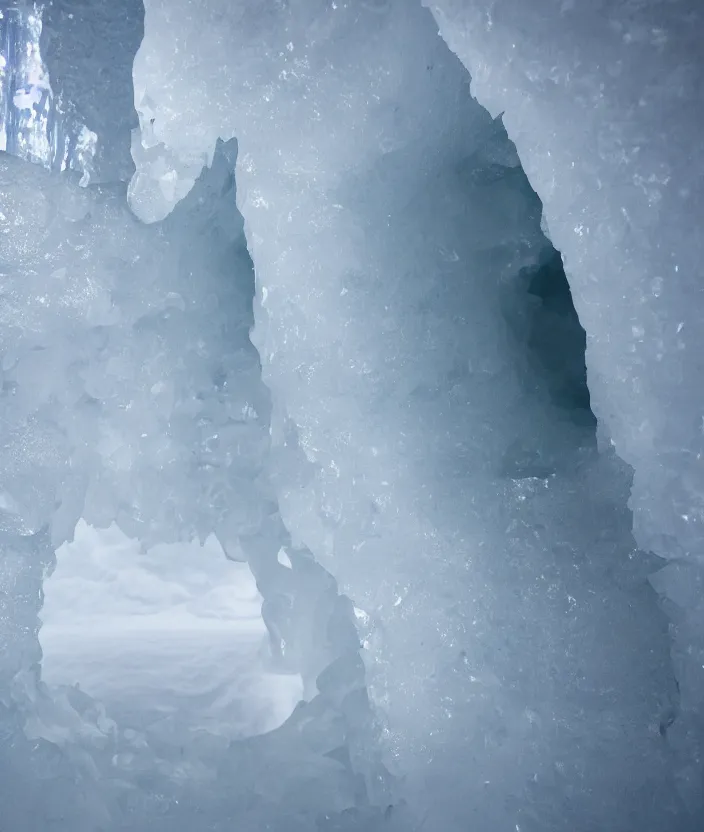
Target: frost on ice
[[384, 413]]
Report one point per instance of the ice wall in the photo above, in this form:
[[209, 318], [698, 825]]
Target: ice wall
[[511, 646], [132, 394], [603, 101], [422, 443]]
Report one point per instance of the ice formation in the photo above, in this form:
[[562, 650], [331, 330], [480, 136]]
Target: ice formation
[[385, 411]]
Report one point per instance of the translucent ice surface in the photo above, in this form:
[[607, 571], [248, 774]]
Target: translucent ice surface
[[35, 123]]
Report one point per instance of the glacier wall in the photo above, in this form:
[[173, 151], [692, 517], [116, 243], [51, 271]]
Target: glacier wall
[[512, 649]]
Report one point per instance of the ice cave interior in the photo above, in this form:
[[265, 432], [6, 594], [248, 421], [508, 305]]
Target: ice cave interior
[[351, 415]]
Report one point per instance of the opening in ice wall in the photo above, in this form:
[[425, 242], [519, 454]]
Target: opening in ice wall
[[170, 641]]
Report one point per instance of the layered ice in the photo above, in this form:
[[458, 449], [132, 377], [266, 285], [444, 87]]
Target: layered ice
[[431, 446]]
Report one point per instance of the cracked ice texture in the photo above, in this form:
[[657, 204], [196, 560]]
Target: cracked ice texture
[[389, 222]]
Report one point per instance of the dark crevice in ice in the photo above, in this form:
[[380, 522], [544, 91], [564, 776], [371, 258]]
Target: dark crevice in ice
[[546, 335], [557, 341]]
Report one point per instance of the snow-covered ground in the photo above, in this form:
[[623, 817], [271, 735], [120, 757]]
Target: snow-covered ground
[[168, 638]]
